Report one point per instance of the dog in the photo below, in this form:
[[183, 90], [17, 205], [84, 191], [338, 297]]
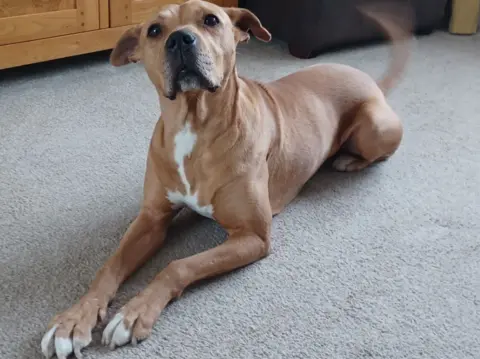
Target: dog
[[230, 148]]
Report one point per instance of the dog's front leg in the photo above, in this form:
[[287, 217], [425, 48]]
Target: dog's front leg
[[70, 331], [247, 219]]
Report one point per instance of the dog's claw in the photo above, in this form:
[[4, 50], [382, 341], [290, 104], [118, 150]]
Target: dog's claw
[[48, 343]]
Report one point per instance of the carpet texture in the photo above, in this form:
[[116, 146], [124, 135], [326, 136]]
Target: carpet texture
[[378, 264]]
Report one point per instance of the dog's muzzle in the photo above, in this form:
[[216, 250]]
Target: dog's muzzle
[[186, 71]]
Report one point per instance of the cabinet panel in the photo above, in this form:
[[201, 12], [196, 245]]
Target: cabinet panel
[[104, 13], [127, 12], [9, 8], [25, 20], [143, 9], [29, 52]]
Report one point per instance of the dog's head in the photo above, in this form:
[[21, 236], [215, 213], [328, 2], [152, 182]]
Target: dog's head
[[188, 47]]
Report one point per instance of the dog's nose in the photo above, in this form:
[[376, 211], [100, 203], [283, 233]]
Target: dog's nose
[[180, 40]]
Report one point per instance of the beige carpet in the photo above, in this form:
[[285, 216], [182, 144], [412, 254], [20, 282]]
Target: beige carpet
[[380, 264]]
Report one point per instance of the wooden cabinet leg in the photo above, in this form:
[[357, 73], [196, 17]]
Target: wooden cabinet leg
[[464, 19]]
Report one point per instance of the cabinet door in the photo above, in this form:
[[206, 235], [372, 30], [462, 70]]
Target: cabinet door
[[126, 12], [25, 20]]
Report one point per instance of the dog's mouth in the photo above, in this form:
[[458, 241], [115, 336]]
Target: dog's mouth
[[184, 74], [189, 78]]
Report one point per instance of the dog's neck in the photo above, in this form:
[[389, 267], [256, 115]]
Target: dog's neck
[[204, 108]]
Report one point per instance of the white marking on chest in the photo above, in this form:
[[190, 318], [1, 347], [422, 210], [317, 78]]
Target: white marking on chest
[[184, 142]]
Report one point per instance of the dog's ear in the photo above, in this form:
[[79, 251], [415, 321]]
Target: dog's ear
[[126, 49], [245, 20]]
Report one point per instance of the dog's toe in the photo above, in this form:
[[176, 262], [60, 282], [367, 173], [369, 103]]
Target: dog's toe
[[63, 347], [80, 341], [54, 344], [347, 163], [71, 331], [116, 332], [132, 324]]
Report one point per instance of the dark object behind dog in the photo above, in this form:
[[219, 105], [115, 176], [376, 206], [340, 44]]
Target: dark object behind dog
[[311, 27]]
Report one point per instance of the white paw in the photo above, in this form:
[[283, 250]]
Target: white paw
[[62, 347], [51, 345], [115, 333], [78, 345], [71, 331]]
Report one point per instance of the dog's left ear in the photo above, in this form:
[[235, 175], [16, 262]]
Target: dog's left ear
[[245, 20], [126, 49]]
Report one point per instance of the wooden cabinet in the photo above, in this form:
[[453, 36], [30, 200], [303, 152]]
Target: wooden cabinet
[[24, 20], [127, 12], [465, 17], [40, 30]]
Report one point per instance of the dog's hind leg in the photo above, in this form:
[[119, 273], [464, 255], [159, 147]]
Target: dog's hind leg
[[376, 135]]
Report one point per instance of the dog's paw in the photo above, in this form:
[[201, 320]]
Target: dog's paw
[[116, 332], [347, 163], [71, 331], [133, 323]]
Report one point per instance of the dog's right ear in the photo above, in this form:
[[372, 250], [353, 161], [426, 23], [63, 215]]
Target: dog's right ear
[[126, 49]]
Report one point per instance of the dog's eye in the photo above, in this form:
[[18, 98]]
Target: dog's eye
[[154, 30], [211, 20]]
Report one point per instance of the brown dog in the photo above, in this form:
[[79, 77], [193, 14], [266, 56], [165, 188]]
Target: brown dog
[[232, 149]]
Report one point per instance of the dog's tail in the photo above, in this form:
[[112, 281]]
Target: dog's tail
[[397, 22]]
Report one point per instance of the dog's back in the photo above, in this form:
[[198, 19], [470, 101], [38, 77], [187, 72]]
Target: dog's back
[[318, 109]]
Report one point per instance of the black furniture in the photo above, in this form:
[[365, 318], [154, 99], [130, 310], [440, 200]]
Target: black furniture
[[314, 26]]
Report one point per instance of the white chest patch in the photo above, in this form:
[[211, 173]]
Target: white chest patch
[[184, 142]]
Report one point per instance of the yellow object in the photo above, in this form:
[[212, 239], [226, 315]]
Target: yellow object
[[464, 19]]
